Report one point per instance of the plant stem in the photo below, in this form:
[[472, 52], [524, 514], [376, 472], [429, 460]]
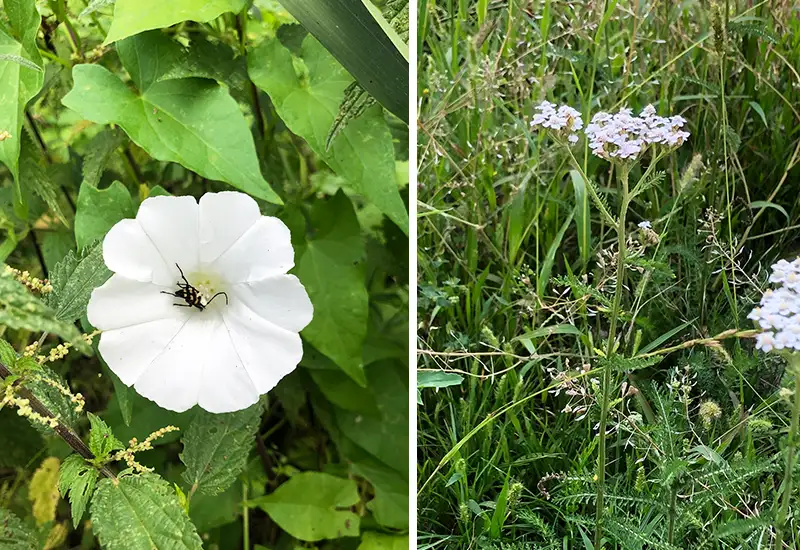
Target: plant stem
[[245, 517], [612, 332], [71, 438], [672, 502], [780, 524]]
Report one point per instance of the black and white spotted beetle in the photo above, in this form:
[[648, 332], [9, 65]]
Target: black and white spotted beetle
[[191, 295]]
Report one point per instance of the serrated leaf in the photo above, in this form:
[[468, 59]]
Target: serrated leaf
[[381, 541], [191, 121], [330, 264], [20, 84], [135, 16], [43, 384], [98, 154], [73, 280], [33, 172], [362, 153], [19, 309], [43, 490], [216, 447], [8, 355], [95, 6], [101, 438], [98, 210], [14, 534], [356, 100], [312, 506], [141, 513], [77, 481]]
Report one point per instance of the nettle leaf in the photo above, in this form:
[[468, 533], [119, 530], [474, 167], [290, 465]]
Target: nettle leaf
[[8, 355], [380, 541], [73, 280], [330, 265], [98, 210], [20, 84], [33, 172], [44, 383], [362, 153], [135, 16], [19, 309], [101, 438], [98, 154], [141, 513], [15, 534], [77, 480], [191, 121], [216, 447], [313, 506]]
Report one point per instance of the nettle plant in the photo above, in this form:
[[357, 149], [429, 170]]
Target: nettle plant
[[203, 307]]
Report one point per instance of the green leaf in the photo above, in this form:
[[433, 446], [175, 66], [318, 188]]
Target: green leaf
[[362, 41], [379, 541], [384, 436], [74, 279], [355, 102], [330, 265], [33, 171], [216, 447], [390, 505], [21, 60], [19, 441], [191, 121], [8, 355], [141, 513], [550, 330], [98, 154], [78, 478], [428, 379], [755, 205], [362, 153], [134, 16], [19, 309], [101, 439], [757, 108], [20, 84], [98, 210], [312, 506], [14, 534], [94, 6], [44, 384]]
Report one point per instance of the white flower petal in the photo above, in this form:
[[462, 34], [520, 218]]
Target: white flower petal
[[281, 300], [265, 250], [129, 351], [226, 385], [172, 225], [123, 302], [269, 352], [174, 376], [128, 250], [224, 218]]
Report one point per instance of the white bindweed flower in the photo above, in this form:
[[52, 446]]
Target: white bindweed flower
[[564, 121], [222, 335], [778, 315]]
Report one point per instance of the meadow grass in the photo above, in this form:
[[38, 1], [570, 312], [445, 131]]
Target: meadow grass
[[517, 272]]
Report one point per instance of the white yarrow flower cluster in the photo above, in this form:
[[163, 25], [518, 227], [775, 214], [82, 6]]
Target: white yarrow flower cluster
[[565, 120], [779, 312], [200, 309], [624, 136]]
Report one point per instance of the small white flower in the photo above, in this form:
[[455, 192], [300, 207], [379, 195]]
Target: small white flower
[[779, 311], [564, 121], [228, 343], [624, 136], [645, 225]]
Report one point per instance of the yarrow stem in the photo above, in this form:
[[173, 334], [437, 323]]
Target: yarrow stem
[[612, 333], [791, 454]]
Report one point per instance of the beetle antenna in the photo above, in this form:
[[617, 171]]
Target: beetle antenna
[[182, 275], [217, 294], [170, 293]]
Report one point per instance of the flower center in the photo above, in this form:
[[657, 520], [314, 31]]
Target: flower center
[[209, 289]]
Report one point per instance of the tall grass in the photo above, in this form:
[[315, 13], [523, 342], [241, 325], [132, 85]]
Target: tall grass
[[518, 277]]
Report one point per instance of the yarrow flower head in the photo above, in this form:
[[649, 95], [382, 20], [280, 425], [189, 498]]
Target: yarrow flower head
[[779, 312], [624, 136], [564, 121], [645, 225], [200, 309]]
